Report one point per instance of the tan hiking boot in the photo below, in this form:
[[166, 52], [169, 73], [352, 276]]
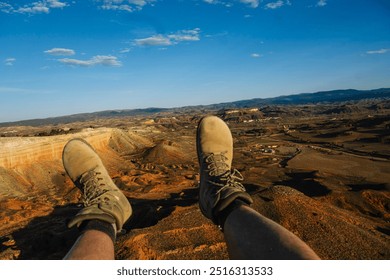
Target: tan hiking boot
[[102, 199], [218, 184]]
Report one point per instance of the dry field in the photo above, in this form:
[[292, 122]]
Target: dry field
[[324, 176]]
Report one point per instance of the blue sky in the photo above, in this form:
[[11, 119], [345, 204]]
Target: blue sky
[[60, 57]]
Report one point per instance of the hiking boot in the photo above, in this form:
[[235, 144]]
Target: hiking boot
[[219, 186], [102, 199]]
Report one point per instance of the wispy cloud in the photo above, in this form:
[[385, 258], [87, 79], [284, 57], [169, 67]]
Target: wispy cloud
[[124, 5], [104, 60], [219, 2], [38, 7], [229, 3], [171, 39], [126, 50], [60, 51], [185, 35], [321, 3], [251, 3], [380, 51], [6, 8], [276, 5], [9, 61], [155, 40], [256, 55], [56, 4]]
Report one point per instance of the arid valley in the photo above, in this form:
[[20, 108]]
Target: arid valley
[[321, 171]]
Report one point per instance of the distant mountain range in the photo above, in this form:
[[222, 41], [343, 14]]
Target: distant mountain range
[[296, 99]]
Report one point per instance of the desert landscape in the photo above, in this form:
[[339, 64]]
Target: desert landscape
[[320, 170]]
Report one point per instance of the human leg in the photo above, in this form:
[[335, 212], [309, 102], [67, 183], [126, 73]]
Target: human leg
[[92, 245], [248, 234], [106, 208]]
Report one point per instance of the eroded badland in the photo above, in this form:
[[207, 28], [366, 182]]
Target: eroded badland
[[322, 171]]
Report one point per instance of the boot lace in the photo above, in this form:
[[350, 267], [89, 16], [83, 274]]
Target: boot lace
[[221, 175], [93, 188]]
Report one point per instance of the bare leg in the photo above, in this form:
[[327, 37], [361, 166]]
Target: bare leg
[[250, 235], [92, 245]]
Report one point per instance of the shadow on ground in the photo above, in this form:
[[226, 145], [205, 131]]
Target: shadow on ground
[[147, 213], [44, 238], [48, 238], [306, 183]]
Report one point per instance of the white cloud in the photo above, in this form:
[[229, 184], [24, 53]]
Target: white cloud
[[56, 4], [6, 8], [381, 51], [214, 2], [186, 35], [321, 3], [168, 40], [229, 3], [37, 7], [124, 5], [9, 61], [126, 50], [105, 60], [256, 55], [274, 5], [156, 40], [114, 7], [60, 51], [251, 3]]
